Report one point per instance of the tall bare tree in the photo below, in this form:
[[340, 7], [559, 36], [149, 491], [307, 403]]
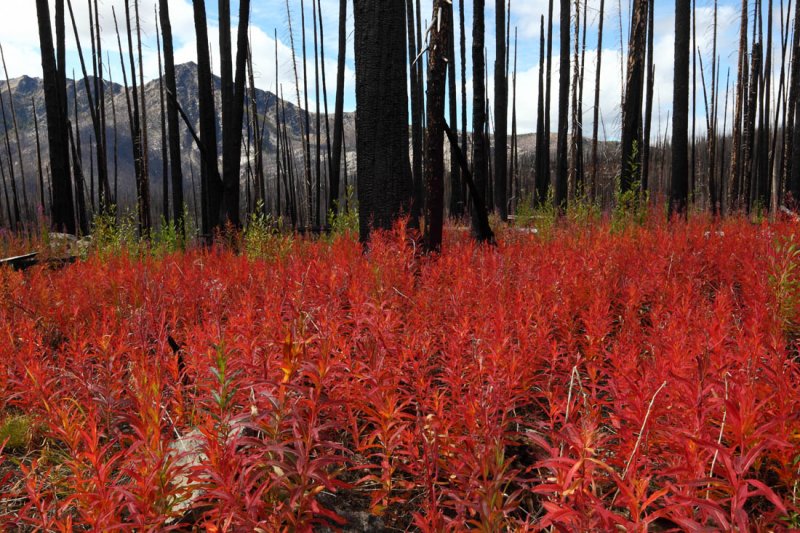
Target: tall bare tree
[[500, 112], [338, 114], [16, 138], [211, 189], [417, 113], [737, 150], [648, 106], [679, 190], [456, 198], [173, 135], [479, 150], [596, 121], [793, 154], [384, 172], [439, 49], [55, 96], [562, 166], [632, 111], [542, 138], [233, 97]]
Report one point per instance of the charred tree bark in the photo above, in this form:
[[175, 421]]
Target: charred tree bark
[[307, 117], [548, 90], [233, 97], [580, 177], [18, 215], [145, 196], [500, 113], [325, 101], [439, 47], [596, 122], [542, 139], [278, 135], [632, 111], [464, 120], [210, 182], [648, 106], [456, 199], [384, 173], [173, 135], [338, 114], [679, 190], [106, 199], [479, 149], [165, 214], [25, 202], [737, 151], [303, 120], [62, 207], [42, 205], [513, 169], [416, 116], [481, 230], [259, 130], [318, 127], [562, 161], [142, 185], [792, 148]]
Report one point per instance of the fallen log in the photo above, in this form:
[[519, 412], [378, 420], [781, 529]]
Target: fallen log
[[23, 262]]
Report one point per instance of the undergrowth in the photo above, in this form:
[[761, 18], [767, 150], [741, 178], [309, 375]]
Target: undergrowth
[[594, 380]]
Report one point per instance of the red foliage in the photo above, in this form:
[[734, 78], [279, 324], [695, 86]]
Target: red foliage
[[589, 381]]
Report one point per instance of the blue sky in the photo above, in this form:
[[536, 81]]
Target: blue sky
[[19, 37]]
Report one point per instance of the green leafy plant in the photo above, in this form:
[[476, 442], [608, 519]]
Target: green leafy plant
[[114, 235], [784, 280], [264, 237], [168, 238], [16, 432], [345, 221], [631, 206]]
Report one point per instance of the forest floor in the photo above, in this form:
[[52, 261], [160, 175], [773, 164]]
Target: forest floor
[[590, 377]]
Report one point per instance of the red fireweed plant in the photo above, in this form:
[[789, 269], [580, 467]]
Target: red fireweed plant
[[590, 380]]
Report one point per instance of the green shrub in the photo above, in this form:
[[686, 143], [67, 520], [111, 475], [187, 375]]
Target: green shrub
[[345, 222], [113, 235], [264, 237], [16, 431], [784, 280]]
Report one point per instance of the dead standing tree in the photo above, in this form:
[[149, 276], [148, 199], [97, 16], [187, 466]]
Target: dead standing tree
[[500, 112], [632, 111], [479, 151], [562, 165], [62, 207], [173, 135], [384, 172], [438, 50], [233, 97], [679, 191]]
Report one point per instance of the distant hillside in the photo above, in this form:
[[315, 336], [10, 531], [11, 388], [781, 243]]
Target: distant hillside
[[27, 91]]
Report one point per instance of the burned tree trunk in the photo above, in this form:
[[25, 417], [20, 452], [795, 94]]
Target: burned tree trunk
[[562, 163], [210, 180], [338, 114], [384, 173], [679, 191], [63, 208], [173, 135], [456, 199], [479, 157], [416, 116], [632, 111], [439, 46], [542, 138], [500, 112]]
